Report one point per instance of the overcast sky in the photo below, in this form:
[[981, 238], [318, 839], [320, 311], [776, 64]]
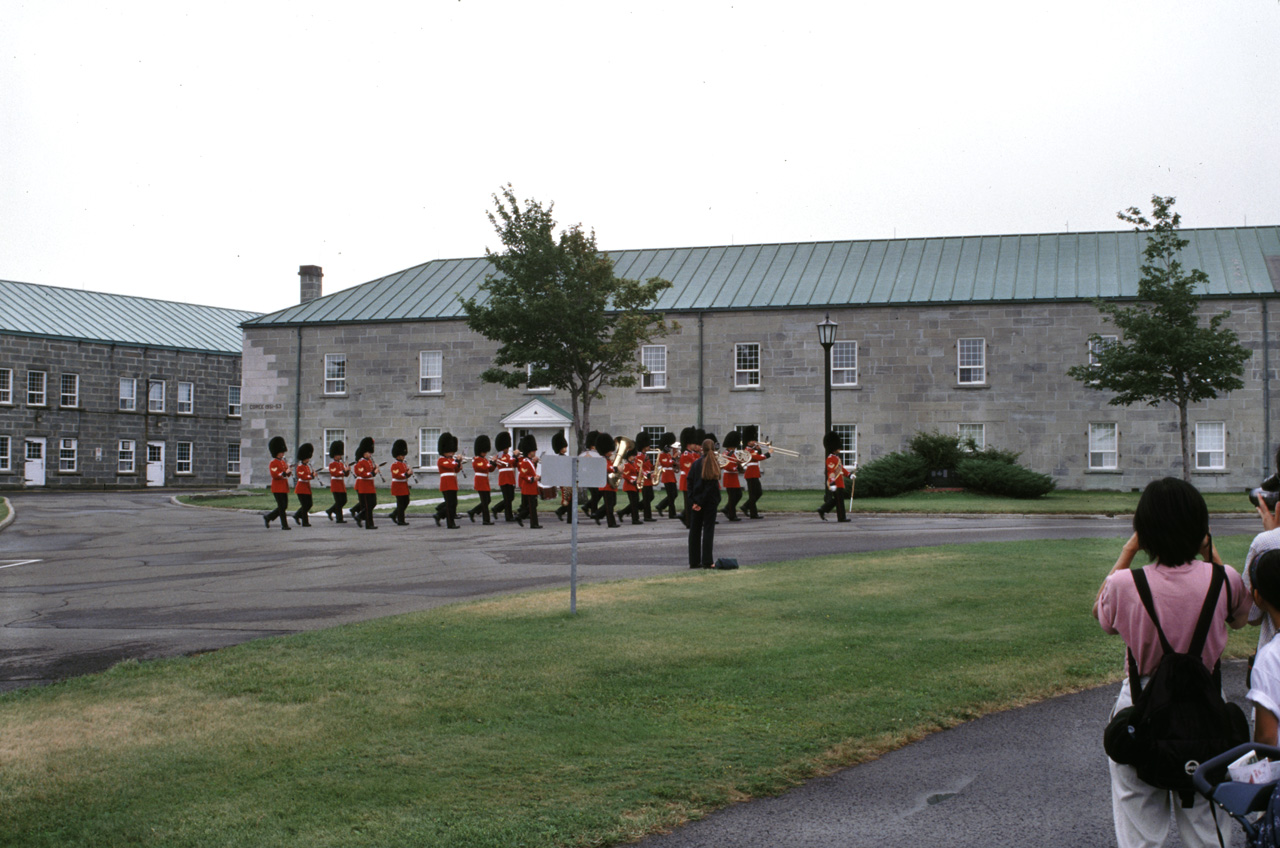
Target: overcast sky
[[203, 151]]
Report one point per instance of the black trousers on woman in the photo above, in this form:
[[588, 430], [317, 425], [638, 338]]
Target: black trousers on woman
[[702, 537]]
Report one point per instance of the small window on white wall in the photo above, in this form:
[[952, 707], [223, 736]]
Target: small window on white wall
[[1104, 450], [430, 371], [1211, 445]]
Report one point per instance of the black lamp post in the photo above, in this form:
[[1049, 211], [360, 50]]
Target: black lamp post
[[827, 337]]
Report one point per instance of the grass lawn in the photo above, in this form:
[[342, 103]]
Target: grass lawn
[[509, 722], [802, 500]]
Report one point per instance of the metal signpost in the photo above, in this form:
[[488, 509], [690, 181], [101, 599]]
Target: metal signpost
[[572, 471]]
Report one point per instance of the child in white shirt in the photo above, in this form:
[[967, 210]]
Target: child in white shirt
[[1264, 574]]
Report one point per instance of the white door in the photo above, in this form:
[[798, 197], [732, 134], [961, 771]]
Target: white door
[[155, 463], [33, 470]]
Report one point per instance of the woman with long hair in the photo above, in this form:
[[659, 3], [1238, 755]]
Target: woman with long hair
[[704, 499]]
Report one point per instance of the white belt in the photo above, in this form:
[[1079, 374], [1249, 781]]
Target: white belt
[[448, 474], [484, 474]]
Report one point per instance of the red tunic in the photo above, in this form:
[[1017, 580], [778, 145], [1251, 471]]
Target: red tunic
[[400, 472], [630, 473], [305, 476], [480, 467], [835, 472], [729, 466], [753, 465], [337, 471], [646, 470], [448, 467], [608, 469], [279, 476], [686, 462], [528, 477], [668, 462], [364, 472], [506, 469]]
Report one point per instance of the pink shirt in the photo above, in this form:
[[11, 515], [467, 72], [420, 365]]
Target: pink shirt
[[1179, 594]]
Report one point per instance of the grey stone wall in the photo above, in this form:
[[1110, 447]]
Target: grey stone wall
[[907, 382], [97, 423]]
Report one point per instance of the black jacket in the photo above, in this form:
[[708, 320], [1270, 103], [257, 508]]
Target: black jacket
[[704, 493]]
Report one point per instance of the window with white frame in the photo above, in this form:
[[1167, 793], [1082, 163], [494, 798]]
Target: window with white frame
[[1211, 445], [654, 360], [746, 365], [977, 433], [844, 364], [331, 436], [70, 395], [67, 455], [1097, 346], [428, 438], [127, 458], [971, 361], [233, 401], [1104, 450], [654, 432], [233, 457], [335, 373], [128, 394], [848, 434], [6, 385], [155, 395], [431, 371], [529, 369], [186, 398], [184, 458], [36, 388], [6, 455]]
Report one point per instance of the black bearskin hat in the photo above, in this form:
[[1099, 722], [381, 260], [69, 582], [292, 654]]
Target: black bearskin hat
[[277, 446], [305, 452], [630, 453], [337, 449], [399, 448], [733, 440], [831, 442], [668, 439], [643, 441], [558, 442], [688, 437], [366, 446], [702, 437], [590, 442], [502, 441], [604, 443], [447, 443], [481, 445], [750, 433], [528, 444]]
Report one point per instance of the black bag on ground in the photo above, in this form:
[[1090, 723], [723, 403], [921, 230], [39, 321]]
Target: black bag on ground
[[1180, 719]]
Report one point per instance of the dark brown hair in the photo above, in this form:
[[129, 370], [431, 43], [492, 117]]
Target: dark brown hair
[[710, 462]]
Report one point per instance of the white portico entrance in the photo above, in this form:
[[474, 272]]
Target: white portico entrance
[[540, 417]]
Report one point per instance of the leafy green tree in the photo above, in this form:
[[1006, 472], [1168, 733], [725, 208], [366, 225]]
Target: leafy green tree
[[561, 316], [1164, 354]]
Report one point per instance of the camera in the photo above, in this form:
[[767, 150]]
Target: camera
[[1268, 492]]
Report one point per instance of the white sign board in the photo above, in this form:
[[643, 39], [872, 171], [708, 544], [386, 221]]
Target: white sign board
[[558, 470]]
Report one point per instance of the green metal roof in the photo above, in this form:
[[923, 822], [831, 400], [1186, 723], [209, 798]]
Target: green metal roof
[[51, 312], [1240, 261]]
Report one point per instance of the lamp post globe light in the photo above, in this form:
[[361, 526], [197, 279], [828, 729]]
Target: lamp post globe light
[[827, 337]]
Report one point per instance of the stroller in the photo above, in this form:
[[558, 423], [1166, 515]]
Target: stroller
[[1240, 800]]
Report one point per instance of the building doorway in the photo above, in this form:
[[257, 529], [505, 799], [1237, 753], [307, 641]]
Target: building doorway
[[33, 470], [155, 463]]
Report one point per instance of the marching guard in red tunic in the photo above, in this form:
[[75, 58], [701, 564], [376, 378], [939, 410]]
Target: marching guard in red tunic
[[480, 468], [729, 466], [834, 471], [528, 475], [400, 474], [506, 463], [752, 473], [606, 446], [304, 475], [643, 443], [690, 440], [560, 447], [631, 468], [338, 472], [667, 475], [364, 471], [448, 465], [279, 470]]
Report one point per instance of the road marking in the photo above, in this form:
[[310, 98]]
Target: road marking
[[10, 563]]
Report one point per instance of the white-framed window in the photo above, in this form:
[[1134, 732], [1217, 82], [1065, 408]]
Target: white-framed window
[[848, 434], [128, 394], [1097, 346], [977, 433], [186, 398], [127, 458], [1104, 446], [6, 386], [334, 435], [529, 369], [67, 455], [428, 438], [233, 401], [6, 453], [233, 457], [70, 394], [335, 373], [155, 396], [654, 432], [36, 388], [654, 360], [1211, 445], [844, 364], [184, 458], [971, 364], [431, 371], [746, 365]]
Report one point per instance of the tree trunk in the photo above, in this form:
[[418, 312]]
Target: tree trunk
[[1186, 446]]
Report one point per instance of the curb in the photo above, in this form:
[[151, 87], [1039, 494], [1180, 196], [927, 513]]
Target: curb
[[8, 519]]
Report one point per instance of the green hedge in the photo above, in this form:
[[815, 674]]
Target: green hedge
[[996, 477], [891, 474]]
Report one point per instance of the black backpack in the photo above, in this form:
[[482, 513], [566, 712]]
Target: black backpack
[[1180, 719]]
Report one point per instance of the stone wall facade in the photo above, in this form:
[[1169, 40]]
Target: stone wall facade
[[907, 380], [81, 434]]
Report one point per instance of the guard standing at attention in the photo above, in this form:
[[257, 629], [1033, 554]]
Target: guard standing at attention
[[364, 471], [448, 464], [279, 470], [400, 473], [338, 472], [304, 475], [480, 468], [834, 471], [528, 475]]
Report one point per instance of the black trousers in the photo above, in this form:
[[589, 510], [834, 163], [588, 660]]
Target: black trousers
[[754, 491], [529, 509], [731, 508], [593, 502], [668, 502], [282, 509], [339, 501], [397, 514], [304, 510], [504, 505], [702, 536], [448, 508], [646, 502], [368, 500], [834, 500], [632, 508], [482, 507], [608, 500]]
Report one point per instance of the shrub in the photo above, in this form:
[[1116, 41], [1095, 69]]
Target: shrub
[[891, 474], [1008, 457], [939, 451], [996, 477]]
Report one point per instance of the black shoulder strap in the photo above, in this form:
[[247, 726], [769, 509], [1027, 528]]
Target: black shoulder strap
[[1144, 592], [1207, 611]]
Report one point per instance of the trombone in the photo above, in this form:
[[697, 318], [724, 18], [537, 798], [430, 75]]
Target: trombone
[[784, 451]]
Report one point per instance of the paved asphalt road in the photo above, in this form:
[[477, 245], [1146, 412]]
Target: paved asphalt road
[[87, 580]]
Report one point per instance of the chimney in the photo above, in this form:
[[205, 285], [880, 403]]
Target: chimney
[[311, 282]]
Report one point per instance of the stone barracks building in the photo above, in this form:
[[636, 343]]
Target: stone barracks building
[[107, 391], [966, 335]]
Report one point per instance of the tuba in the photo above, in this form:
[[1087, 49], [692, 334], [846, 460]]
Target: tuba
[[620, 448]]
